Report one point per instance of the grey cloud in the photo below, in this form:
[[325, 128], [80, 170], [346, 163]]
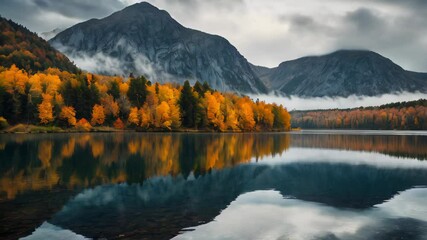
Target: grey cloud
[[365, 20], [302, 20], [45, 15], [80, 8], [297, 20], [393, 28], [302, 24], [397, 37], [413, 4], [195, 6]]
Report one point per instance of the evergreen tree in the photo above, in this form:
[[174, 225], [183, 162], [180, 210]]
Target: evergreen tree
[[206, 87], [199, 88], [188, 105], [114, 90], [137, 93]]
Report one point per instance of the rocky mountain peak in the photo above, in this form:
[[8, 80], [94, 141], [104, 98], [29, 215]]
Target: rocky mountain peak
[[341, 73], [144, 40]]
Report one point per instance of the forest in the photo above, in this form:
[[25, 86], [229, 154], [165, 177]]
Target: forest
[[81, 101], [21, 47], [410, 115]]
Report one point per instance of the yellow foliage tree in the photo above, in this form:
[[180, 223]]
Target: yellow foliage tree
[[162, 116], [111, 107], [230, 117], [213, 108], [245, 114], [146, 116], [175, 115], [133, 116], [124, 88], [264, 116], [36, 87], [14, 80], [68, 114], [46, 109], [98, 115]]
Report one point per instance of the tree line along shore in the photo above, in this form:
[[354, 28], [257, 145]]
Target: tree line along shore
[[56, 101]]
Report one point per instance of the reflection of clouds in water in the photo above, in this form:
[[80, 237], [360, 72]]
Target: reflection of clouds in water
[[313, 155], [266, 215], [410, 203], [52, 232]]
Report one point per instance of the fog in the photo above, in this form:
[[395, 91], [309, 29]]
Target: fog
[[101, 63], [300, 103]]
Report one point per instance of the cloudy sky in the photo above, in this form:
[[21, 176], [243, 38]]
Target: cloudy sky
[[267, 32]]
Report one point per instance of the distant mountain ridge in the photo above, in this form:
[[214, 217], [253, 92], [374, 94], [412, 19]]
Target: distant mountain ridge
[[141, 39], [341, 73], [49, 35]]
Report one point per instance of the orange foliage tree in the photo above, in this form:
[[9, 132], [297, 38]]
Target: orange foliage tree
[[46, 109], [98, 115], [68, 114]]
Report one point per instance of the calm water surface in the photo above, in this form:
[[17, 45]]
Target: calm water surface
[[305, 185]]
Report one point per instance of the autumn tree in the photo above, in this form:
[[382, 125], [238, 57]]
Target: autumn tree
[[263, 115], [83, 125], [98, 115], [118, 124], [133, 118], [213, 109], [162, 117], [245, 114], [282, 119], [68, 114], [230, 116], [46, 109]]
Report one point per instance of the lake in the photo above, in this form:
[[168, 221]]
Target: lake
[[300, 185]]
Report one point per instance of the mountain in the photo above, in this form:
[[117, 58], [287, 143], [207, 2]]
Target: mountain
[[28, 51], [141, 39], [49, 35], [342, 73]]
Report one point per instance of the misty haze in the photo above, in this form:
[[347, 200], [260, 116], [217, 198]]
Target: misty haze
[[248, 119]]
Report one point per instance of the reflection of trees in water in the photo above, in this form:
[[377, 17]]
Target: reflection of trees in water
[[401, 146], [35, 162]]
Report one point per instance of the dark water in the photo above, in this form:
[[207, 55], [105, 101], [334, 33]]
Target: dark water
[[307, 185]]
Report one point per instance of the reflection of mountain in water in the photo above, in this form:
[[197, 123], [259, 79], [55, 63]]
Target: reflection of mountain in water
[[179, 203], [38, 173]]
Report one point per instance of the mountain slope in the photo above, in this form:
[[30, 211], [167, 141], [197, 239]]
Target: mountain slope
[[49, 35], [141, 39], [342, 73], [27, 51]]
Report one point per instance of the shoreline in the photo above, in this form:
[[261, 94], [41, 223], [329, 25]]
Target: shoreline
[[34, 129]]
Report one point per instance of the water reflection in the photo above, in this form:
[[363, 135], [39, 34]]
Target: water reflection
[[413, 146], [36, 162], [178, 203], [273, 217], [154, 186]]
